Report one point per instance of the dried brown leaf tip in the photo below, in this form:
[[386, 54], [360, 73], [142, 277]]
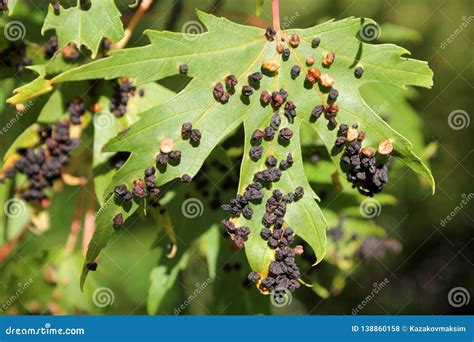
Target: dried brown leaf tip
[[385, 147]]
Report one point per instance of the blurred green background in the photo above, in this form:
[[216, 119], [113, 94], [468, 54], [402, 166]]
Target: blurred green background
[[435, 257]]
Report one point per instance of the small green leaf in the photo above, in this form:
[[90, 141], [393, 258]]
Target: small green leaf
[[11, 6], [86, 27], [210, 245], [399, 34], [391, 103], [33, 89], [163, 279]]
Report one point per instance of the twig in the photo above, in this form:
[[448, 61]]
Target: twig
[[89, 229], [144, 6], [72, 180], [89, 221], [276, 15]]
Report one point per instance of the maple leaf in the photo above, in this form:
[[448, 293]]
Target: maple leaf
[[229, 48]]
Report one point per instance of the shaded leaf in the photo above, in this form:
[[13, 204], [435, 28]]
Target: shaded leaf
[[34, 89], [86, 27]]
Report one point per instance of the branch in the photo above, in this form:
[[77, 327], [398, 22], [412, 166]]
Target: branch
[[144, 6]]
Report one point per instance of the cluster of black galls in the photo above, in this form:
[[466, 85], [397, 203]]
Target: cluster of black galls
[[329, 110], [14, 56], [141, 189], [123, 89], [43, 165], [76, 109], [51, 47], [283, 272], [3, 5], [362, 170], [238, 234]]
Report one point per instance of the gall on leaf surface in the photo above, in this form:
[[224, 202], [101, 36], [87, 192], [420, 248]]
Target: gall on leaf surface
[[229, 48]]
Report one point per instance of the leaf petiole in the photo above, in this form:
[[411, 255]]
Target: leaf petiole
[[276, 15]]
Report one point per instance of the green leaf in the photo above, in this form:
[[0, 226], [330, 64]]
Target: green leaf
[[11, 6], [183, 212], [392, 104], [86, 27], [33, 89], [382, 64], [107, 126], [210, 245], [258, 7], [241, 50], [397, 34], [162, 280]]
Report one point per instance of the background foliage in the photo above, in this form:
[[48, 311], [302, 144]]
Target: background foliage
[[424, 258]]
